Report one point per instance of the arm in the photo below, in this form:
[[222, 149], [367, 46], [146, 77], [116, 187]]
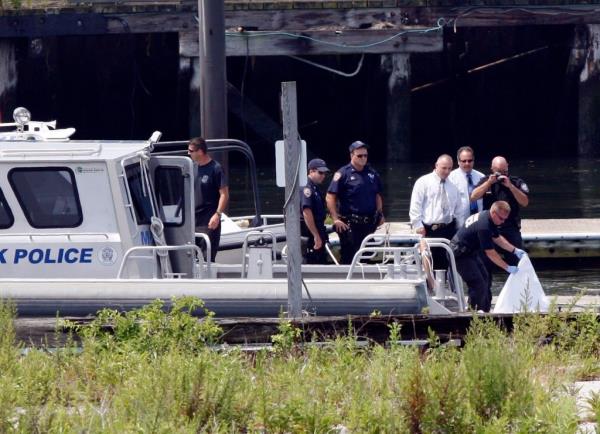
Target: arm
[[479, 191], [416, 206], [309, 219], [379, 204], [521, 198], [331, 200], [503, 243], [496, 259], [215, 220]]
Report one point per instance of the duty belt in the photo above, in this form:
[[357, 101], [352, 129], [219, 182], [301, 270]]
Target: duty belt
[[360, 219]]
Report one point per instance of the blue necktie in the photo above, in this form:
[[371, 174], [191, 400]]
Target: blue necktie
[[472, 205]]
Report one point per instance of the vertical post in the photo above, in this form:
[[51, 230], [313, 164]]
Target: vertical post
[[8, 80], [589, 97], [213, 90], [398, 106], [292, 204]]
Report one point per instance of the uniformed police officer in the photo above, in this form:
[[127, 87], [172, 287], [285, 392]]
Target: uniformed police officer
[[312, 217], [479, 233], [356, 188], [509, 188]]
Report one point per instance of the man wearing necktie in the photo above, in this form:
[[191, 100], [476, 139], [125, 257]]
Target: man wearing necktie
[[435, 207], [465, 178]]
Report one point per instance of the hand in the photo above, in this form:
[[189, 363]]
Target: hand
[[214, 221], [420, 231], [340, 226], [519, 253], [512, 269], [318, 242]]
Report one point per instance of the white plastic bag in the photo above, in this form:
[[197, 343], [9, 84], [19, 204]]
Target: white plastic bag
[[522, 291]]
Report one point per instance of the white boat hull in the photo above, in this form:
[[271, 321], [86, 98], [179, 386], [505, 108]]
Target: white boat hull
[[225, 297]]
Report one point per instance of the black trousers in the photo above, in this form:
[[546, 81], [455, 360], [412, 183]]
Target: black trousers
[[513, 236], [474, 273], [440, 257], [309, 253], [214, 235], [351, 239]]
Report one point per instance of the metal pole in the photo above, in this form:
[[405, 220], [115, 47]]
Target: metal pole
[[292, 204], [213, 78]]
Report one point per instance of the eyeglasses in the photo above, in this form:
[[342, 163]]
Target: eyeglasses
[[361, 155], [466, 161]]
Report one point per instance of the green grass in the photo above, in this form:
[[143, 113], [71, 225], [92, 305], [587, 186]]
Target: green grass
[[155, 371]]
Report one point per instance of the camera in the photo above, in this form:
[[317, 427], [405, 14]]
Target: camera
[[499, 176]]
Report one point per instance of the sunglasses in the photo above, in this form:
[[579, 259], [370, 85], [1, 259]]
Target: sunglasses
[[466, 161], [361, 155]]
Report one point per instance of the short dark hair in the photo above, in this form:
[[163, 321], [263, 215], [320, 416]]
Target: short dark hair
[[463, 149], [199, 144]]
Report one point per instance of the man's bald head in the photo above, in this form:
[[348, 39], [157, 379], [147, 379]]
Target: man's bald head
[[499, 164], [443, 166]]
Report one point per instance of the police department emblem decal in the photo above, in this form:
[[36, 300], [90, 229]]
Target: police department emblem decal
[[204, 179], [107, 256], [337, 176], [307, 192], [525, 188]]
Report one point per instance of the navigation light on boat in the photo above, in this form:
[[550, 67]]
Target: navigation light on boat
[[21, 116]]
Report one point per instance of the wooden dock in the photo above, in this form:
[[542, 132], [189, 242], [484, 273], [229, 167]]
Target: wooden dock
[[40, 331], [544, 238]]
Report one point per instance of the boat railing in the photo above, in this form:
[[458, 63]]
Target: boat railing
[[156, 253], [400, 260], [73, 152], [454, 279], [264, 240], [394, 260]]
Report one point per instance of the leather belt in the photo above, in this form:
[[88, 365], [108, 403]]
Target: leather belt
[[436, 226]]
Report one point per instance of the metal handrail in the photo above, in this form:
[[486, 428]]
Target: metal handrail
[[154, 250], [245, 247], [433, 242], [456, 279], [206, 239]]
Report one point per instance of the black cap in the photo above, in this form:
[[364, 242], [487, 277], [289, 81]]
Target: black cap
[[317, 164], [356, 145]]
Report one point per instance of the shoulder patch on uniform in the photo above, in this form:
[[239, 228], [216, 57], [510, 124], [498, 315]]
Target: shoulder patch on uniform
[[525, 188], [307, 192], [337, 176]]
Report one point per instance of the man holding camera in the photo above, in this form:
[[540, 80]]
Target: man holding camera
[[500, 185]]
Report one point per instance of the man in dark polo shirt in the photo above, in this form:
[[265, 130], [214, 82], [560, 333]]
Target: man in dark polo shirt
[[211, 195], [357, 188], [480, 234]]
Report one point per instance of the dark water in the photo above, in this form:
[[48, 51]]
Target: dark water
[[559, 188]]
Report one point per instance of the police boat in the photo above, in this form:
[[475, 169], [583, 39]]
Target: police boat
[[88, 224]]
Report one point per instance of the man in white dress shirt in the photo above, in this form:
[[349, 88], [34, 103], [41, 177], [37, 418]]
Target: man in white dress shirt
[[436, 208], [465, 178]]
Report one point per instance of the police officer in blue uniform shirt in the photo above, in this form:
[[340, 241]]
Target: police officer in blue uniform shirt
[[312, 217], [500, 185], [480, 233], [356, 188]]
